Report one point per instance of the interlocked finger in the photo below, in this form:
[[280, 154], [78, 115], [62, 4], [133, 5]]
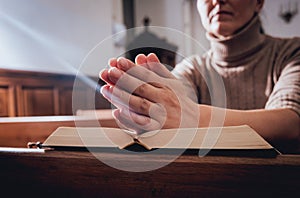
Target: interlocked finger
[[134, 103], [126, 82], [136, 122]]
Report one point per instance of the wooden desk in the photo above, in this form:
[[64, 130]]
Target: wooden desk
[[80, 174]]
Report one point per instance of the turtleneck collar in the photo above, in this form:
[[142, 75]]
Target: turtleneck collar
[[238, 45]]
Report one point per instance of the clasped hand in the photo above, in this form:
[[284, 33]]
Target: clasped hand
[[147, 96]]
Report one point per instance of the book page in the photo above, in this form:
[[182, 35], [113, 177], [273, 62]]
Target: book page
[[89, 137], [232, 137]]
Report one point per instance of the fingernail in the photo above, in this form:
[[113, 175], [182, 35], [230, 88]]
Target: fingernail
[[123, 63], [152, 57], [105, 91], [116, 113], [114, 74], [112, 62]]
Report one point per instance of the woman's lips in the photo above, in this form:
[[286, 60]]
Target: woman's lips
[[221, 14]]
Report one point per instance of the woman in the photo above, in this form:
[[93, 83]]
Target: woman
[[261, 77]]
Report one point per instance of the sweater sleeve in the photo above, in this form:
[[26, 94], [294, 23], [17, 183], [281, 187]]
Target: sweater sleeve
[[203, 83], [286, 91], [186, 71]]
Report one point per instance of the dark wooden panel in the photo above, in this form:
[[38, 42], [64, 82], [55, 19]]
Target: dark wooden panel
[[7, 101], [25, 93], [65, 101], [4, 101], [38, 101], [73, 98]]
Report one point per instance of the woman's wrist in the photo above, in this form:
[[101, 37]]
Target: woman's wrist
[[205, 115]]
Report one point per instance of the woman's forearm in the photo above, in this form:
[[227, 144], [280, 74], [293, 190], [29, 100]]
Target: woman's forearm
[[280, 127]]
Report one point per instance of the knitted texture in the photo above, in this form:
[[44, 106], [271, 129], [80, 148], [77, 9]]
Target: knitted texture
[[258, 71]]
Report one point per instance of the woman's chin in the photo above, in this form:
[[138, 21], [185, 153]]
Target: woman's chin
[[222, 30]]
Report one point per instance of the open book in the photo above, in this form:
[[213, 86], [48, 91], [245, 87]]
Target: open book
[[226, 140]]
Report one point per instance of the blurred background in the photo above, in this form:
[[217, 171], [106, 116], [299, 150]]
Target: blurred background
[[41, 34], [56, 38]]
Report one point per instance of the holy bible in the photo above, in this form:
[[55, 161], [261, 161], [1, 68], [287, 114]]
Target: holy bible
[[236, 140]]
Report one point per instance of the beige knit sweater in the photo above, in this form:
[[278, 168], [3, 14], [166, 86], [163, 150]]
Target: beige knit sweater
[[249, 70]]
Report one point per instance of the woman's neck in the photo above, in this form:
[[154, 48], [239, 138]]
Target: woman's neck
[[238, 45]]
